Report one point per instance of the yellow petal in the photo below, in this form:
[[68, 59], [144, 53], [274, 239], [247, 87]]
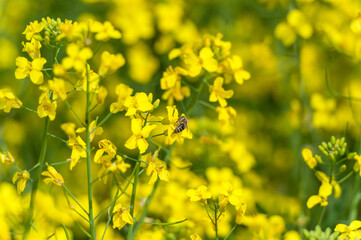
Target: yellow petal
[[355, 225], [142, 145], [313, 200]]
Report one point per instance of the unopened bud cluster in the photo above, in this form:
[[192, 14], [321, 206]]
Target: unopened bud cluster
[[318, 234], [51, 29], [334, 148]]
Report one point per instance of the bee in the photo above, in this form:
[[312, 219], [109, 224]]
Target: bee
[[181, 124]]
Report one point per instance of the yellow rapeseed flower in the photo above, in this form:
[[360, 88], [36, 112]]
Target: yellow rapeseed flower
[[218, 93], [140, 102], [78, 150], [47, 108], [121, 217], [104, 31], [8, 100], [77, 57], [7, 158], [324, 191], [201, 193], [105, 146], [195, 63], [110, 63], [156, 168], [195, 236], [52, 176], [236, 67], [32, 48], [57, 85], [226, 115], [21, 177], [349, 232], [309, 158], [140, 133], [123, 92], [33, 30], [32, 69], [171, 136]]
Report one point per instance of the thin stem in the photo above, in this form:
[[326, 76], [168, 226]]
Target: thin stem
[[195, 98], [146, 206], [163, 224], [88, 158], [321, 216], [111, 210], [207, 105], [83, 230], [29, 109], [229, 234], [37, 174], [132, 200], [60, 139], [75, 115], [70, 91], [345, 177], [66, 232], [156, 135], [216, 220], [103, 121], [73, 197]]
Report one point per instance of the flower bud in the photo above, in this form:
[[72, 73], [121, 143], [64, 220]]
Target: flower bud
[[342, 168]]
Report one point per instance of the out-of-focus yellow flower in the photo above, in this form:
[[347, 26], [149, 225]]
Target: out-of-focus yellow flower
[[324, 191], [156, 168], [22, 177], [195, 236], [33, 30], [108, 165], [177, 93], [355, 25], [226, 115], [169, 15], [104, 31], [69, 129], [241, 212], [292, 235], [357, 166], [235, 65], [296, 24], [141, 57], [77, 57], [93, 129], [7, 158], [121, 217], [201, 193], [110, 63], [140, 102], [322, 177], [8, 100], [105, 146], [32, 69], [32, 48], [139, 135], [171, 76], [123, 92], [195, 63], [78, 150], [57, 85], [93, 80], [52, 176], [309, 158], [218, 93], [47, 108], [349, 232], [171, 136], [101, 94]]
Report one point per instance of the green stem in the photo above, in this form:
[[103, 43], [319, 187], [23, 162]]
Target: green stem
[[75, 115], [146, 206], [88, 159], [132, 200], [229, 234], [37, 175], [321, 216], [195, 98], [216, 220], [163, 224], [104, 120], [346, 177]]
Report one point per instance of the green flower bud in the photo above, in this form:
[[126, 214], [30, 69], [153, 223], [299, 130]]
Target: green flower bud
[[324, 145], [342, 168], [351, 155], [333, 140]]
